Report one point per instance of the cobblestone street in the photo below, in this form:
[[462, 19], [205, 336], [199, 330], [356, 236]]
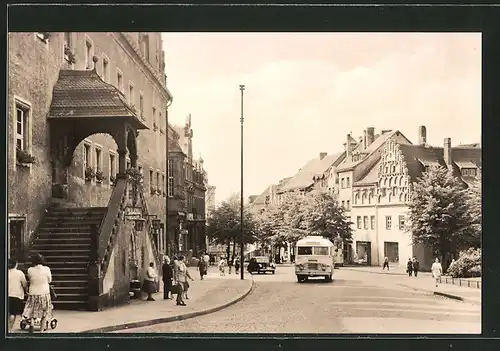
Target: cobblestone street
[[355, 302]]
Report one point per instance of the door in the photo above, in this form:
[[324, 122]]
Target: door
[[16, 238], [391, 251], [363, 250]]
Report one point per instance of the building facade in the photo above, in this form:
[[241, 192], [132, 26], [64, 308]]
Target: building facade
[[84, 108]]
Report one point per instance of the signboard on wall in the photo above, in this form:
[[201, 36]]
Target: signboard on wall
[[133, 212]]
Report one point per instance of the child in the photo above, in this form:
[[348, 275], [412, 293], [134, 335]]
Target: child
[[222, 267]]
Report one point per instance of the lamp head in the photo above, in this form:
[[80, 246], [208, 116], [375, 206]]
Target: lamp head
[[242, 87]]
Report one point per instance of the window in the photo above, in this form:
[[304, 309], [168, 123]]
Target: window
[[348, 204], [320, 251], [401, 222], [154, 116], [16, 237], [22, 118], [86, 155], [372, 222], [342, 184], [141, 106], [170, 178], [304, 250], [388, 222], [145, 46], [343, 204], [112, 165], [131, 98], [129, 165], [358, 219], [365, 222], [151, 180], [163, 183], [98, 158], [119, 80], [67, 45], [157, 180], [348, 182], [88, 54], [105, 68]]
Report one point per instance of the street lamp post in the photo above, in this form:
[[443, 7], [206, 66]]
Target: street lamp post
[[242, 88]]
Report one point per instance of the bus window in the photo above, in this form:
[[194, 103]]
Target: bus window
[[304, 250], [321, 251]]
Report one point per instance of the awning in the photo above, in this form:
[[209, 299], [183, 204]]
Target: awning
[[465, 164], [83, 94]]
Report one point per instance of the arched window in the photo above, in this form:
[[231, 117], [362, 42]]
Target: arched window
[[393, 169], [390, 182], [400, 181], [389, 196]]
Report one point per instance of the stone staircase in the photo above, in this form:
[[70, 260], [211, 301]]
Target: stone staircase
[[64, 240]]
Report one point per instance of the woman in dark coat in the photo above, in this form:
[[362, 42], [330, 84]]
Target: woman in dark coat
[[409, 267], [168, 275]]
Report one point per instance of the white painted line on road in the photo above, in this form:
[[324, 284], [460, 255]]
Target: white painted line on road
[[432, 311]]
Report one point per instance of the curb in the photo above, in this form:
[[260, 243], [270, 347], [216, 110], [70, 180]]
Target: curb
[[447, 295], [180, 317], [373, 272]]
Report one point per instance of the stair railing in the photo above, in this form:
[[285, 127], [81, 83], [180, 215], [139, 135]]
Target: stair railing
[[104, 239], [149, 228]]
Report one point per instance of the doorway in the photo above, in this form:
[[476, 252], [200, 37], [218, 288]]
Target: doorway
[[363, 251], [391, 251], [16, 238]]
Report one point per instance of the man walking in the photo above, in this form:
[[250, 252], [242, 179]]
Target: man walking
[[167, 276], [202, 267], [409, 267], [416, 266], [386, 263]]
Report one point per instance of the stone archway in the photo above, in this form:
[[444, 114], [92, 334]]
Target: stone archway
[[83, 105]]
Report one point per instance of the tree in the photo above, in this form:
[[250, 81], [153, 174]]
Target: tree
[[440, 213], [224, 224], [325, 217]]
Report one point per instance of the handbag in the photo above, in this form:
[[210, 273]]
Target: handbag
[[53, 294], [176, 289]]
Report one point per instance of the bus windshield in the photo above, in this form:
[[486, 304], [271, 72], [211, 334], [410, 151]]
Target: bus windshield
[[308, 250]]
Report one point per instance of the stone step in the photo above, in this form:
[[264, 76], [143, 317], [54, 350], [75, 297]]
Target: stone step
[[66, 241], [44, 246], [54, 265], [74, 230], [71, 296], [68, 289], [78, 209], [56, 251], [68, 260], [70, 305], [69, 271], [68, 224], [69, 277]]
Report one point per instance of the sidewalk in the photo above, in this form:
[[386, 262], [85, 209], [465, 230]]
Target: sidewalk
[[205, 296], [470, 295], [425, 283]]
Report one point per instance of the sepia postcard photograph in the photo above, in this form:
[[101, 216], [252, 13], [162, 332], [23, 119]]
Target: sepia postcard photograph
[[244, 182]]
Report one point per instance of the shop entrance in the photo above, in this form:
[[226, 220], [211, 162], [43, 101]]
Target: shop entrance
[[363, 251], [391, 251]]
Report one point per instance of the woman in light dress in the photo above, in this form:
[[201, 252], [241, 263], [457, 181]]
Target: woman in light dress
[[222, 266], [437, 271], [39, 304], [181, 275]]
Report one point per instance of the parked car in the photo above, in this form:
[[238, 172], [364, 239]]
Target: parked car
[[261, 264]]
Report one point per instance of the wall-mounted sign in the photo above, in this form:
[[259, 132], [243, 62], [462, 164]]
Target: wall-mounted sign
[[133, 213]]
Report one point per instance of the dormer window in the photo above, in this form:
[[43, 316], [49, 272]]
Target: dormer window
[[470, 172]]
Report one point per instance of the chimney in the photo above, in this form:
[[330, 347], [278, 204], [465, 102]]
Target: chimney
[[348, 147], [422, 135], [364, 140], [370, 136], [322, 155], [361, 143], [447, 152]]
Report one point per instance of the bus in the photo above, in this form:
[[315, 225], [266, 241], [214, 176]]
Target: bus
[[314, 257]]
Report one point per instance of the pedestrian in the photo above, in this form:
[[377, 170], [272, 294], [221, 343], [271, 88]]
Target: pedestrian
[[451, 265], [437, 271], [17, 289], [167, 276], [39, 303], [386, 263], [230, 264], [206, 257], [202, 267], [409, 267], [237, 265], [180, 278], [416, 266], [222, 266], [149, 285]]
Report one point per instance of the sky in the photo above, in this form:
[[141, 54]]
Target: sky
[[306, 91]]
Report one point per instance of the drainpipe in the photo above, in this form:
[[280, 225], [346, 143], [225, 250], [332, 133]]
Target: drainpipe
[[166, 233]]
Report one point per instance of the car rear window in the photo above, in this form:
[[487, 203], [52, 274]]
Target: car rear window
[[304, 250]]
